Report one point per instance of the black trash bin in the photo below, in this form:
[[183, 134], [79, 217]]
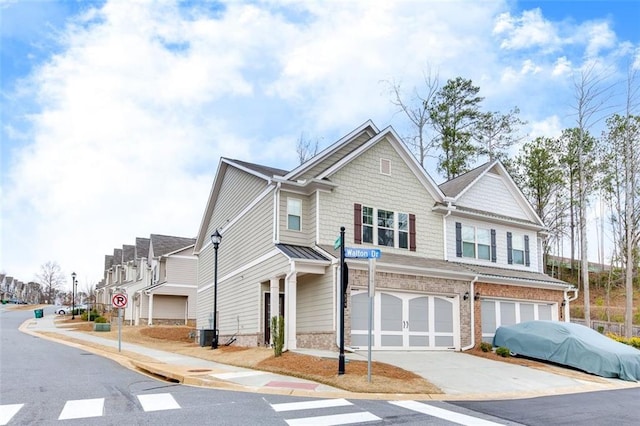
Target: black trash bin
[[206, 337], [39, 313]]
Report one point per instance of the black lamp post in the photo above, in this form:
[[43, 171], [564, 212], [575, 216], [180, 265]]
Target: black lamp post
[[215, 239], [73, 295]]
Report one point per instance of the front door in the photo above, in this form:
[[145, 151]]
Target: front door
[[267, 317]]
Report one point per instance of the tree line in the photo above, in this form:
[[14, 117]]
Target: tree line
[[560, 176]]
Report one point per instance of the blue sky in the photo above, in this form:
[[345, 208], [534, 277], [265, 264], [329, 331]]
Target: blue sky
[[115, 114]]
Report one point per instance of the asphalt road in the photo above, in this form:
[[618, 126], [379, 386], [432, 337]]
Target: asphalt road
[[45, 383]]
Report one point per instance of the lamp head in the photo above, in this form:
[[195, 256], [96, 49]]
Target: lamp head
[[216, 238], [73, 275]]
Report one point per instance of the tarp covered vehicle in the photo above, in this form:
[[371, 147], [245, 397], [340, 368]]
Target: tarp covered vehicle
[[573, 345]]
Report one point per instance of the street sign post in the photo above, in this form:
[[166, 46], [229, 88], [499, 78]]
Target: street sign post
[[119, 300]]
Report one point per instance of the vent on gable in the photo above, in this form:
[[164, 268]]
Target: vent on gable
[[385, 166]]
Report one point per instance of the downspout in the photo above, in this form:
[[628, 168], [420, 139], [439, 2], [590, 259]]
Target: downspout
[[276, 213], [472, 298], [444, 230], [566, 300], [287, 310]]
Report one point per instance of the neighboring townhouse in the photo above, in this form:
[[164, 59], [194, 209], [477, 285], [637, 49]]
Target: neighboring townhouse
[[101, 288], [4, 293], [279, 227], [140, 278], [170, 295], [492, 229]]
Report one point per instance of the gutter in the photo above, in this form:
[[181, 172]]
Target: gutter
[[444, 230], [472, 298], [566, 300]]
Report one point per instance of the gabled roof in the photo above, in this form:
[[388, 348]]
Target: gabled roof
[[142, 247], [262, 170], [164, 244], [128, 252], [455, 188], [117, 256]]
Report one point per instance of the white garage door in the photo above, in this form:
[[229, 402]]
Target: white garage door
[[405, 321], [508, 312]]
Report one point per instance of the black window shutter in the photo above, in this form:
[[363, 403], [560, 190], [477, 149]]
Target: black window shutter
[[412, 232], [458, 239], [509, 247], [493, 245], [527, 260], [357, 223]]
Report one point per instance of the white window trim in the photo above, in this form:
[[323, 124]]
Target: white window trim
[[396, 228], [290, 214], [475, 242]]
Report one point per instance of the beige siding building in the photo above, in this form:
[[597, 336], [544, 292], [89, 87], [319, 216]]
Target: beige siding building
[[435, 288]]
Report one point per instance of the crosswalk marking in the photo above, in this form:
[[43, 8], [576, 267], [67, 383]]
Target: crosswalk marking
[[336, 419], [306, 405], [82, 408], [157, 402], [8, 411], [441, 413]]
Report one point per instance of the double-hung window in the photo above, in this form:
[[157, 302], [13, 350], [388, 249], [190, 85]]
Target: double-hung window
[[384, 227], [475, 243], [517, 249], [294, 214]]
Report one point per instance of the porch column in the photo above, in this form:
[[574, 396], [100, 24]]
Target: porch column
[[150, 314], [290, 296], [274, 306]]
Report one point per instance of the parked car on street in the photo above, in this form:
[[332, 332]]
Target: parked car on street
[[573, 345], [63, 310]]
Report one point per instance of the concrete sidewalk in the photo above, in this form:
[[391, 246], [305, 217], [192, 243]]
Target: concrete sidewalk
[[458, 375]]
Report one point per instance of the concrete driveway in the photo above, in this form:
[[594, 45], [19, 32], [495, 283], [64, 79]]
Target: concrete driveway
[[458, 373]]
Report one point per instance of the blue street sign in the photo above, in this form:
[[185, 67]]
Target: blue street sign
[[362, 253]]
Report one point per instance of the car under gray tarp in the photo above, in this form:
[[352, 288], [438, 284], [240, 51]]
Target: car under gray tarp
[[572, 345]]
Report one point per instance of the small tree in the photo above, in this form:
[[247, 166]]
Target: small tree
[[277, 334], [50, 278]]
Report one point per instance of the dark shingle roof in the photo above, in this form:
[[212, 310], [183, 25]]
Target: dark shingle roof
[[108, 261], [128, 252], [117, 256], [265, 170], [142, 247], [455, 186], [300, 252], [493, 271], [163, 244]]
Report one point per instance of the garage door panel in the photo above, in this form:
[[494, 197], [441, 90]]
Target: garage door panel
[[405, 321], [443, 315], [419, 314], [391, 313], [496, 313]]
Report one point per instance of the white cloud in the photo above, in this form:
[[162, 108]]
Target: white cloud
[[529, 30], [129, 118]]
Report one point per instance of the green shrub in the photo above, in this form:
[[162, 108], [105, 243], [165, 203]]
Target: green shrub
[[100, 320], [601, 329], [486, 346], [90, 316], [634, 341], [503, 352], [277, 333]]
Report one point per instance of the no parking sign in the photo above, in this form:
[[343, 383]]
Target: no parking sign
[[119, 300]]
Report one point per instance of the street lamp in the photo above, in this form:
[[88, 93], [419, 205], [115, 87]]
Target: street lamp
[[215, 240], [73, 297]]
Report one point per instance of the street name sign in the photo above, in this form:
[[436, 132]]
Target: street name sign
[[362, 253]]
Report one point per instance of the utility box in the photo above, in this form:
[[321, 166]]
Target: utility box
[[206, 336]]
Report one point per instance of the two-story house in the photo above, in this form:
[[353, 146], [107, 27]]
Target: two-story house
[[170, 294], [433, 290]]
